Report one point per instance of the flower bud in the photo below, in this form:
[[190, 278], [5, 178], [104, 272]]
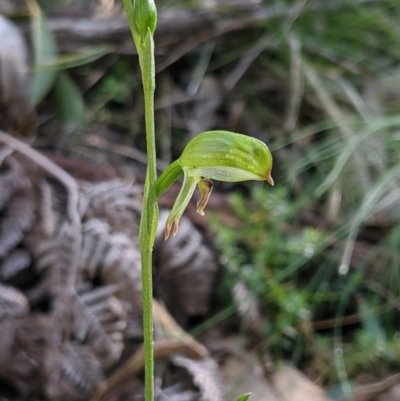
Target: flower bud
[[145, 17], [219, 155]]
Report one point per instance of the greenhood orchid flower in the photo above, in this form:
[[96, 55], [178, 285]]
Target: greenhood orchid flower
[[213, 155]]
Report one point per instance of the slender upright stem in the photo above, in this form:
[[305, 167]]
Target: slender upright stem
[[142, 17], [149, 218]]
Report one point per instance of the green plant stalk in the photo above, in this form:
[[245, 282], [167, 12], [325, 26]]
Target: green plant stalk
[[148, 222], [142, 18]]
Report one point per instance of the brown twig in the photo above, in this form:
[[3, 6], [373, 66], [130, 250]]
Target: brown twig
[[172, 330], [162, 349], [369, 392]]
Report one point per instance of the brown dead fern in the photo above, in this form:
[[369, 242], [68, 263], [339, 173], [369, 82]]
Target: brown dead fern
[[186, 271], [70, 286], [205, 376], [70, 283]]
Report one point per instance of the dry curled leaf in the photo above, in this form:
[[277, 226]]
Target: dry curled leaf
[[205, 376]]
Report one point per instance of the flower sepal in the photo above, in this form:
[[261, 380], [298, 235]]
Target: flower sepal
[[213, 155]]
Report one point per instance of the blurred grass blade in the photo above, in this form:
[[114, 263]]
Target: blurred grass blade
[[247, 59], [69, 100], [351, 147], [201, 68], [369, 320], [333, 110], [66, 61], [244, 397], [296, 82], [354, 97], [365, 211], [44, 53]]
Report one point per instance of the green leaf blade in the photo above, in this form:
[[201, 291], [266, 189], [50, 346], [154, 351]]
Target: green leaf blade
[[68, 99], [168, 177], [44, 53], [244, 397]]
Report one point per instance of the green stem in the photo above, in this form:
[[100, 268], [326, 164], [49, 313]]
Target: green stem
[[148, 222], [142, 17]]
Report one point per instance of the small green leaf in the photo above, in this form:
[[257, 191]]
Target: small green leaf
[[168, 177], [244, 397], [69, 100], [44, 53]]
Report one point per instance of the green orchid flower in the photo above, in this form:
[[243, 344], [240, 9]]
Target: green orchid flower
[[213, 155]]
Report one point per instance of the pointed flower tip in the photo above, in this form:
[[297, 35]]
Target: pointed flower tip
[[269, 178], [174, 224], [175, 227], [167, 231]]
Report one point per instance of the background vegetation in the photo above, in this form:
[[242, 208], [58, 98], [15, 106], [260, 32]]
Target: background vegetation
[[319, 82]]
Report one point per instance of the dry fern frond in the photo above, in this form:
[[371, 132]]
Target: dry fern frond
[[78, 254], [12, 176], [176, 392], [55, 256], [100, 295], [113, 201], [16, 262], [52, 206], [186, 271], [86, 329], [205, 376], [17, 213], [80, 372], [27, 345], [12, 302], [17, 218], [114, 258]]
